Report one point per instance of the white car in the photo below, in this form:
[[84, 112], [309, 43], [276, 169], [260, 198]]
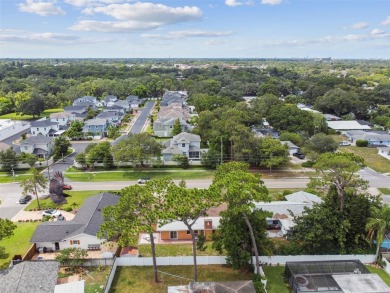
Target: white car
[[143, 180], [344, 143], [51, 213]]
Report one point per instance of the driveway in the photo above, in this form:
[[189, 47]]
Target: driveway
[[375, 179]]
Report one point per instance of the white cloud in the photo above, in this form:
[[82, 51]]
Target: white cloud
[[233, 3], [377, 32], [386, 21], [359, 25], [135, 17], [271, 2], [38, 37], [187, 34], [41, 8], [326, 40], [81, 3]]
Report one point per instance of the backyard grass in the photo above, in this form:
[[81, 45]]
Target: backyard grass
[[135, 175], [384, 190], [18, 116], [95, 279], [175, 250], [384, 276], [371, 157], [140, 279], [75, 200], [18, 243], [275, 279]]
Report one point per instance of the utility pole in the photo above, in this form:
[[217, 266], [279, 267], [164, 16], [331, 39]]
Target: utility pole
[[270, 165], [48, 171], [13, 172]]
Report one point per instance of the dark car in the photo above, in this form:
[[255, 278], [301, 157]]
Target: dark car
[[25, 199], [67, 187], [143, 180], [299, 155]]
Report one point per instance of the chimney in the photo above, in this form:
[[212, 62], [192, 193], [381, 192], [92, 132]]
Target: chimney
[[208, 224]]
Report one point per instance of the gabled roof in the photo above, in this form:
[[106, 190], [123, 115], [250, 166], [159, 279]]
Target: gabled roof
[[283, 207], [72, 109], [131, 98], [289, 144], [180, 226], [87, 220], [103, 115], [110, 98], [30, 276], [171, 150], [43, 123], [302, 196], [347, 125], [36, 139], [96, 121], [186, 137], [60, 115]]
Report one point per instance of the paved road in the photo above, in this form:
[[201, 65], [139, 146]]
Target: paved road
[[375, 179], [11, 192], [139, 123]]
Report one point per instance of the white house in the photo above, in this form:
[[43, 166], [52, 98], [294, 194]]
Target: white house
[[374, 138], [292, 148], [281, 219], [45, 127], [39, 145], [81, 232], [63, 118], [10, 127], [183, 144], [347, 125]]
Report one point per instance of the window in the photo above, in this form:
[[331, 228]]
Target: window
[[26, 148], [45, 128], [188, 232], [196, 232], [74, 242], [194, 155], [33, 132], [183, 145], [173, 234]]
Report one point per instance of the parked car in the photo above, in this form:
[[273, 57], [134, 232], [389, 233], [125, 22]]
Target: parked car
[[25, 199], [51, 213], [299, 155], [143, 180], [67, 187], [344, 143]]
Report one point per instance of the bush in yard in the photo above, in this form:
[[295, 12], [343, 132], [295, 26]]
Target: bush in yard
[[362, 143], [200, 244], [72, 256], [259, 286], [182, 161]]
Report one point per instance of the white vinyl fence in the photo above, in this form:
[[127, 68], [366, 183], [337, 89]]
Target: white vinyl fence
[[219, 260], [387, 266]]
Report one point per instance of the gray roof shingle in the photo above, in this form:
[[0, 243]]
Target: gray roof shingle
[[87, 220], [43, 123], [36, 139], [30, 276]]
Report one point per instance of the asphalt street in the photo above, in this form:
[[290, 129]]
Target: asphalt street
[[139, 123]]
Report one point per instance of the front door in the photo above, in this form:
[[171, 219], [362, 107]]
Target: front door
[[56, 246]]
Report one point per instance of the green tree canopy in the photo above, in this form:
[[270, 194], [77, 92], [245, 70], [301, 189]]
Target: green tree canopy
[[140, 149]]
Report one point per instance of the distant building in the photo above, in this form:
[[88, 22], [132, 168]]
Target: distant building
[[38, 145], [347, 125], [183, 144], [10, 127]]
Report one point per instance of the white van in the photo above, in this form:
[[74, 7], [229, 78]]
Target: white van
[[344, 143]]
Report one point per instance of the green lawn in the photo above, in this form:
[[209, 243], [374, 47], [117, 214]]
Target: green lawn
[[75, 200], [175, 250], [135, 175], [95, 279], [384, 190], [385, 277], [371, 157], [140, 279], [6, 177], [18, 243], [17, 116], [275, 277]]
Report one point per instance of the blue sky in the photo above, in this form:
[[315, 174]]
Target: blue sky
[[195, 28]]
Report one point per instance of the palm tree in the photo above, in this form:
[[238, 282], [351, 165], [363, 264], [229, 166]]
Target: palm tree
[[34, 184], [377, 225]]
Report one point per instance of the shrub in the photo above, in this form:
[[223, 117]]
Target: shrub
[[68, 209], [308, 164], [362, 143]]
